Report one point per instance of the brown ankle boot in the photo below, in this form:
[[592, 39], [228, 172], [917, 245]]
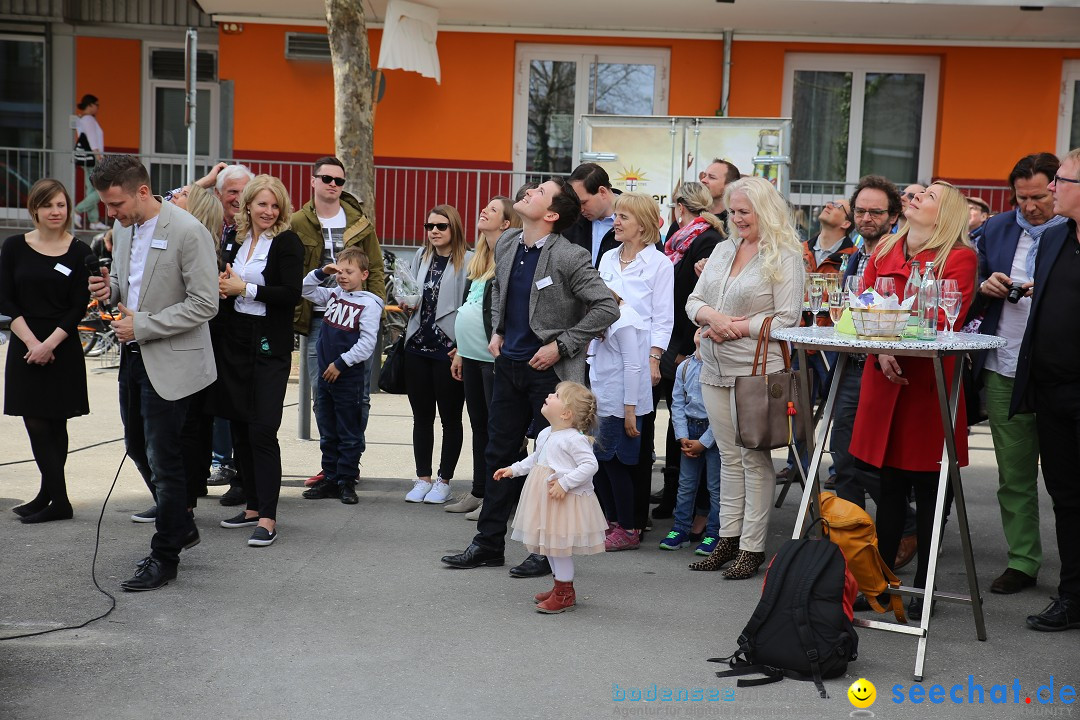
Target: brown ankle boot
[[745, 565], [723, 553], [542, 596], [561, 599]]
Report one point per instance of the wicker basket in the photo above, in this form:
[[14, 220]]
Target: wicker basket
[[875, 324]]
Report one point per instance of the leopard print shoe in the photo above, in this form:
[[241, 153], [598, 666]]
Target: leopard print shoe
[[724, 552], [745, 565]]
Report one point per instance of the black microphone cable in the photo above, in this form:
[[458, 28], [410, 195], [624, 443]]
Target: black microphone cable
[[93, 571]]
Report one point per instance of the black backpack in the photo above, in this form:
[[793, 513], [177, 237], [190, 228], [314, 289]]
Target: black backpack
[[799, 628]]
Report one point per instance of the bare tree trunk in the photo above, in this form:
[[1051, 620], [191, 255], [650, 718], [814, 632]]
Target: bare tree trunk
[[354, 108]]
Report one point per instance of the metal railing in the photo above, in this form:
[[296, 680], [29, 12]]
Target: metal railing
[[403, 195]]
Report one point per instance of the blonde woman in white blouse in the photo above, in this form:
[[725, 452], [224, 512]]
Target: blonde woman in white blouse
[[639, 271], [759, 275]]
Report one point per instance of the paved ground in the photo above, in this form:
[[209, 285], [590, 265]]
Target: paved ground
[[351, 615]]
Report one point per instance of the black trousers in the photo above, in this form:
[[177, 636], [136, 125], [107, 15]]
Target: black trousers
[[152, 426], [255, 442], [1057, 419], [197, 441], [896, 485], [430, 385], [516, 398], [479, 379], [641, 474]]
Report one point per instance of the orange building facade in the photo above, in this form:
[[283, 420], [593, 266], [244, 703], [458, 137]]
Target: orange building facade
[[283, 108]]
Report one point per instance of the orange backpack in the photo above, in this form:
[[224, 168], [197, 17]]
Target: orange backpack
[[850, 527]]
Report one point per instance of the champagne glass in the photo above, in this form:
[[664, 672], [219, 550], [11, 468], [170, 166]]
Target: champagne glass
[[816, 290], [836, 308], [832, 285], [885, 287], [855, 285], [949, 300]]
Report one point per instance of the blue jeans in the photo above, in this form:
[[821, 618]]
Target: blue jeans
[[315, 372], [341, 433], [153, 427], [689, 478], [222, 453]]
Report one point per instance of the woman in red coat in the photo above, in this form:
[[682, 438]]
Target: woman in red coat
[[898, 425]]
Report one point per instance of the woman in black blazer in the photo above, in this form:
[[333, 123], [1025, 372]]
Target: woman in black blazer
[[699, 233], [260, 287]]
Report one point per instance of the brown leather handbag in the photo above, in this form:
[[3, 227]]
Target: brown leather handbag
[[768, 411]]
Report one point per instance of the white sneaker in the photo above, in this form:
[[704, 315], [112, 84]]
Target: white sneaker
[[419, 491], [438, 494], [98, 226]]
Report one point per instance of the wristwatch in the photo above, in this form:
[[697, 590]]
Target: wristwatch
[[563, 352]]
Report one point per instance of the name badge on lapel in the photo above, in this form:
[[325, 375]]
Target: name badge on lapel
[[62, 269], [544, 282], [159, 244]]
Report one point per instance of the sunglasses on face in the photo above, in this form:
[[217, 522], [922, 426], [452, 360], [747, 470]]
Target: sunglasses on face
[[441, 227], [331, 179]]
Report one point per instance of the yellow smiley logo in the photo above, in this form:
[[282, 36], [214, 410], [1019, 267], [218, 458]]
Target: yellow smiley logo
[[862, 693]]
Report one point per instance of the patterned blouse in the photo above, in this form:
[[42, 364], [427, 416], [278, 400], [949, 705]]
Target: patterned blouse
[[430, 339]]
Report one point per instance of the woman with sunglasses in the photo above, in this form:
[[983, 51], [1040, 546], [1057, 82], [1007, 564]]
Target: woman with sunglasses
[[441, 265]]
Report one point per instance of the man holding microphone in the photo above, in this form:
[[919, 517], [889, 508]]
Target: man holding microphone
[[164, 280]]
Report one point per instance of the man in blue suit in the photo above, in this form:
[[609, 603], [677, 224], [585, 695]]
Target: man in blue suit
[[1048, 381], [1007, 251]]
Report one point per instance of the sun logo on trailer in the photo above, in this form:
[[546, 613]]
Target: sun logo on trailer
[[630, 177]]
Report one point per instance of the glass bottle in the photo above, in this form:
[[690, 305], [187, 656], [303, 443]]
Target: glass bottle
[[911, 290], [928, 304]]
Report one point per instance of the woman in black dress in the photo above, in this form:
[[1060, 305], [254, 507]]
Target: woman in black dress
[[260, 288], [43, 287]]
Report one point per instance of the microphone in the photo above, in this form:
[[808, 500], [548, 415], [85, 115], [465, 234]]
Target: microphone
[[99, 266]]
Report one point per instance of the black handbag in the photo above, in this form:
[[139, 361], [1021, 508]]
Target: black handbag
[[84, 155], [392, 373]]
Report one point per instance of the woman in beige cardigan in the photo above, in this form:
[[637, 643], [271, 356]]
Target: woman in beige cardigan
[[759, 275]]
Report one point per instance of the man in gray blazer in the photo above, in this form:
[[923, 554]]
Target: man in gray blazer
[[547, 303], [164, 279]]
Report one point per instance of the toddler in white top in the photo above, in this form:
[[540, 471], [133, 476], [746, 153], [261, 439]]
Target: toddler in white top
[[558, 514]]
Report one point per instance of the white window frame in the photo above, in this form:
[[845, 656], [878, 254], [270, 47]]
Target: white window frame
[[149, 106], [1070, 76], [859, 66], [583, 55]]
